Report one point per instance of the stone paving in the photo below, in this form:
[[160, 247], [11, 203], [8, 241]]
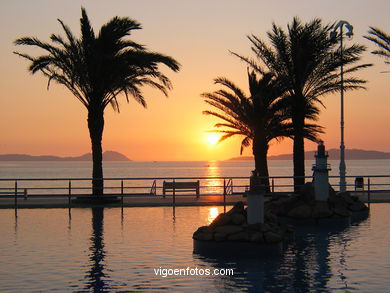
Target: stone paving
[[128, 201]]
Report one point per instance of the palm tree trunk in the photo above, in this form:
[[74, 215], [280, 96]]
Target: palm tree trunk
[[260, 150], [299, 162], [298, 120], [96, 126]]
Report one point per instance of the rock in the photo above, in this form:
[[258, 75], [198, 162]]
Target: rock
[[282, 205], [272, 237], [355, 198], [333, 198], [332, 192], [290, 229], [240, 236], [229, 229], [238, 219], [307, 192], [204, 229], [336, 200], [342, 211], [300, 212], [219, 237], [346, 196], [256, 237], [358, 207], [266, 227], [220, 220], [204, 236], [321, 210], [238, 208], [255, 227], [233, 226], [270, 217]]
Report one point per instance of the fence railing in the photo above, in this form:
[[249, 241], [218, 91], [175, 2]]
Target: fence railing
[[25, 187]]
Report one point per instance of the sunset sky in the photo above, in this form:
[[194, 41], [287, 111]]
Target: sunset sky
[[199, 34]]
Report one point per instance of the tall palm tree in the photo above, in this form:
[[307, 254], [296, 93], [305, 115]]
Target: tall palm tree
[[306, 61], [97, 69], [258, 118], [382, 40]]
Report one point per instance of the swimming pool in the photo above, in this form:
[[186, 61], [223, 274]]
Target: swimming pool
[[107, 251]]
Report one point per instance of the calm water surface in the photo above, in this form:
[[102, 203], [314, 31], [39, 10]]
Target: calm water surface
[[178, 169], [104, 251], [174, 169]]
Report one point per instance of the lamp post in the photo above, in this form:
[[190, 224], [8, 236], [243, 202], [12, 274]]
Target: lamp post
[[349, 33]]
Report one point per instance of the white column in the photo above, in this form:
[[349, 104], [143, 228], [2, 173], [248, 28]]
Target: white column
[[255, 211], [321, 174]]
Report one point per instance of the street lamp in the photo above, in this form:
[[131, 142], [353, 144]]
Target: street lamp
[[349, 33]]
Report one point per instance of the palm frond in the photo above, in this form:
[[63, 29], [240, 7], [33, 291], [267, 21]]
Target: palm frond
[[382, 40]]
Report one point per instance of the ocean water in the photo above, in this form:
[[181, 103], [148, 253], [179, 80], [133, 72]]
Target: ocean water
[[96, 250], [176, 169]]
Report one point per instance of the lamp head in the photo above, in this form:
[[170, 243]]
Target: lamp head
[[349, 33], [333, 35]]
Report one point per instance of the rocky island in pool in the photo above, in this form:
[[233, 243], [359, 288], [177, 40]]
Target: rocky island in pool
[[265, 224], [233, 227]]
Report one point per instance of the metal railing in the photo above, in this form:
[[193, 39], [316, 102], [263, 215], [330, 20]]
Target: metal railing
[[25, 187]]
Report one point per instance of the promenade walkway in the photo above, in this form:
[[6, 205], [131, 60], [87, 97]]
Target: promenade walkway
[[150, 201], [133, 201]]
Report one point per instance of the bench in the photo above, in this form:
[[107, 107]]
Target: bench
[[359, 183], [173, 186]]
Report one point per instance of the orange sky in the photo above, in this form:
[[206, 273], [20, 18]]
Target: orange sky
[[198, 33]]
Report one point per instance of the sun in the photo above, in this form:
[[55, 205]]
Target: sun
[[212, 139]]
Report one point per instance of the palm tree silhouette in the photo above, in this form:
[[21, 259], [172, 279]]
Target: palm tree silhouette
[[382, 40], [306, 62], [97, 69], [259, 118]]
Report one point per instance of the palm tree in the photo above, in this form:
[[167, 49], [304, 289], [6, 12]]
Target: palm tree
[[259, 118], [306, 62], [382, 40], [97, 70]]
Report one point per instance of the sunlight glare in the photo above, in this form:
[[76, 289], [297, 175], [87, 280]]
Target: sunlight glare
[[213, 213], [212, 138]]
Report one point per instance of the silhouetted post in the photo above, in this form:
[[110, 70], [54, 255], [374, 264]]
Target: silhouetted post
[[122, 192], [369, 192], [16, 194], [69, 193], [321, 174], [174, 194], [224, 195], [349, 33]]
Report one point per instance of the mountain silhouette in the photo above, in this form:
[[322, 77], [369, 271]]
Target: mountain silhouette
[[107, 156], [334, 154]]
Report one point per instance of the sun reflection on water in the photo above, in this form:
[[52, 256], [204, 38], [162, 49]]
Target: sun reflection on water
[[213, 185], [213, 213]]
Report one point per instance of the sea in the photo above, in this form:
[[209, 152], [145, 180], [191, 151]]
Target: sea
[[147, 172]]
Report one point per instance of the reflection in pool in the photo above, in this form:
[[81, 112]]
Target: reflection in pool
[[98, 250], [213, 213]]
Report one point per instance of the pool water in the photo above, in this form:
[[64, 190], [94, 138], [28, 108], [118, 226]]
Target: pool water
[[96, 250]]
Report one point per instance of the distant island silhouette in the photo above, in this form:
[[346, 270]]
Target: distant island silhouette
[[334, 154], [107, 156]]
